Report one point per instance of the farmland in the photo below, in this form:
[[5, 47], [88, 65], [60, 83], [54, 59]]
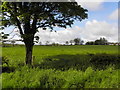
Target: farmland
[[80, 66]]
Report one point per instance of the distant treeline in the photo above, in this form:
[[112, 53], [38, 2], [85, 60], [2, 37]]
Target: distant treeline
[[101, 41], [76, 41]]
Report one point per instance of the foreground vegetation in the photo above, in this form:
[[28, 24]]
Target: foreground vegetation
[[38, 78], [62, 67]]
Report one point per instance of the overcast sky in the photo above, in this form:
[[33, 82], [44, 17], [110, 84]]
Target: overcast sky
[[102, 22]]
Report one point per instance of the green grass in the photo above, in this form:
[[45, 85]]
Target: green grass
[[17, 54], [60, 67]]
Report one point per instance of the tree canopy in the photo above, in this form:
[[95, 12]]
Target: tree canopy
[[36, 15]]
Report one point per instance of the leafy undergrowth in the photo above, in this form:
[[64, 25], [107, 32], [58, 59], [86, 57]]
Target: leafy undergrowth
[[26, 77]]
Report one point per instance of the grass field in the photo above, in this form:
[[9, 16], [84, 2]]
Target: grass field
[[82, 66]]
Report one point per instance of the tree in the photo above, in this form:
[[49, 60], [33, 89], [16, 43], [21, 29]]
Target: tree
[[90, 43], [66, 42], [71, 41], [104, 41], [77, 41], [55, 44], [47, 42], [81, 42], [40, 43], [29, 16], [101, 41]]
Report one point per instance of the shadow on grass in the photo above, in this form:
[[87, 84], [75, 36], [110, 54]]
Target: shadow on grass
[[65, 62], [8, 69], [80, 62]]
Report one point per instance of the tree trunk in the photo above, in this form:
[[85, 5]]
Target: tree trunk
[[29, 47], [29, 54]]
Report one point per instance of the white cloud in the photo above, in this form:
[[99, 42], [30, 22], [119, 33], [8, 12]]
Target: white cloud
[[91, 5], [96, 29], [91, 31], [59, 36], [114, 15]]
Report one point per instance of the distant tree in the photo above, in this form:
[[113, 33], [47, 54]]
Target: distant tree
[[47, 42], [81, 42], [66, 42], [101, 41], [29, 16], [40, 43], [104, 41], [55, 44], [87, 43], [97, 42], [90, 43], [71, 41], [78, 41]]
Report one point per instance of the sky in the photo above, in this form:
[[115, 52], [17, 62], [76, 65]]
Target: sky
[[102, 22]]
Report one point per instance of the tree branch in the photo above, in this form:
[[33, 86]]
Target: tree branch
[[17, 21], [19, 26], [34, 24]]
